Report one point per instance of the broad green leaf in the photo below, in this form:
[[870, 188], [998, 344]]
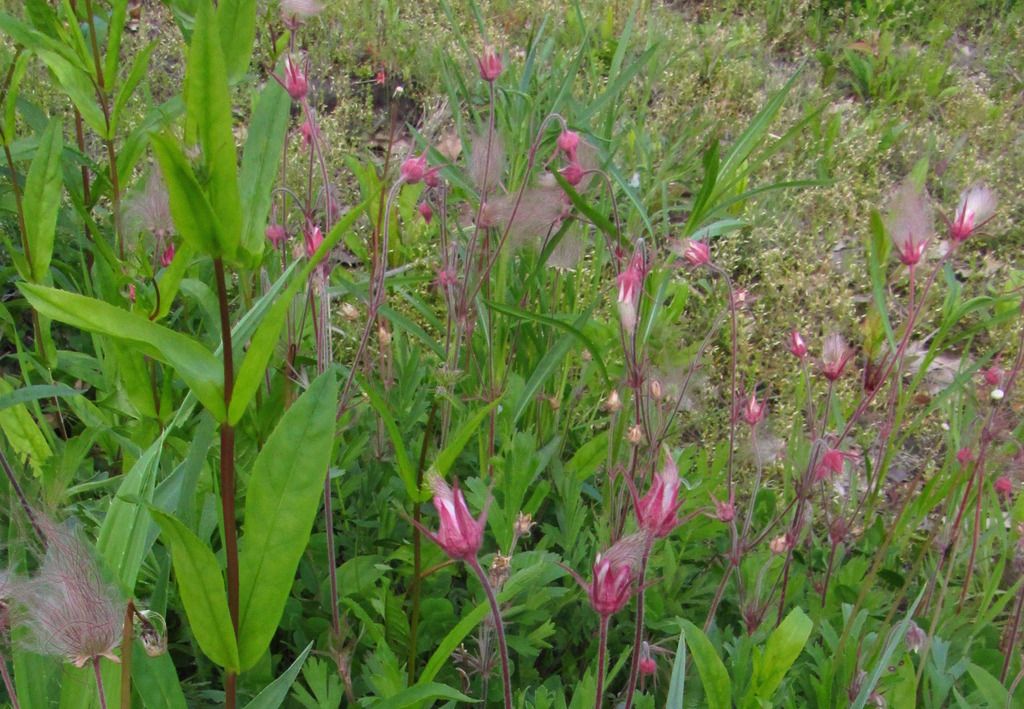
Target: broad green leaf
[[717, 686], [193, 214], [264, 340], [36, 392], [10, 100], [42, 199], [77, 84], [989, 686], [267, 131], [201, 587], [275, 693], [283, 497], [417, 694], [208, 107], [783, 647], [123, 535], [27, 442], [155, 679], [118, 17], [237, 22], [677, 684], [200, 370]]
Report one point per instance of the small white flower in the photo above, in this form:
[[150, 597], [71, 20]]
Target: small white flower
[[997, 394]]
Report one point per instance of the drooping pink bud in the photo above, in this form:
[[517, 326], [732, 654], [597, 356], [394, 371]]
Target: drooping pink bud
[[725, 511], [131, 292], [831, 463], [614, 572], [313, 238], [432, 178], [414, 169], [915, 638], [696, 253], [797, 346], [1004, 486], [167, 255], [657, 510], [964, 456], [459, 534], [567, 142], [993, 375], [276, 234], [977, 205], [630, 282], [446, 278], [490, 64], [779, 545], [647, 665], [753, 410], [835, 354], [426, 212], [308, 132], [295, 80], [573, 173]]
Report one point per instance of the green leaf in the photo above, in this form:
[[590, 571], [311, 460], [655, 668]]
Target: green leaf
[[783, 647], [458, 440], [264, 340], [200, 370], [42, 199], [201, 587], [274, 694], [36, 392], [77, 84], [192, 212], [208, 107], [281, 503], [990, 688], [23, 435], [544, 369], [717, 686], [267, 131], [140, 66], [237, 22], [406, 469], [415, 696], [677, 683]]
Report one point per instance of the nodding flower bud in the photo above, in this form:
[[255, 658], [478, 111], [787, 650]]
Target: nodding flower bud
[[313, 238], [614, 573], [523, 524], [431, 178], [797, 346], [915, 637], [831, 462], [993, 375], [964, 456], [567, 142], [696, 253], [414, 169], [779, 545], [276, 234], [725, 511], [977, 205], [573, 173], [657, 511], [131, 292], [835, 354], [647, 665], [753, 410], [613, 403], [426, 212], [459, 534], [490, 64], [630, 282], [167, 255], [635, 435], [1004, 486], [308, 132], [294, 80]]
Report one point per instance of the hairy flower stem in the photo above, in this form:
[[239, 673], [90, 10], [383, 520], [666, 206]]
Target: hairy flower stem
[[417, 544], [227, 471], [506, 679], [99, 681], [126, 655], [602, 650], [638, 636], [8, 683]]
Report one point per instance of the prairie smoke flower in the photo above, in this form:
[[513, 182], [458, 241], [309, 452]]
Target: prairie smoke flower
[[647, 665], [614, 573], [431, 178], [910, 223], [426, 212], [276, 234], [486, 161], [573, 173], [696, 253], [313, 237], [489, 64], [752, 411], [167, 255], [835, 354], [832, 462], [964, 456], [725, 511], [294, 80], [293, 12], [446, 278], [308, 132], [977, 205], [993, 375], [567, 142], [150, 210], [67, 609], [1004, 486], [613, 403], [797, 346], [656, 511], [635, 435], [459, 534], [413, 169], [915, 638], [131, 292], [779, 545], [630, 282]]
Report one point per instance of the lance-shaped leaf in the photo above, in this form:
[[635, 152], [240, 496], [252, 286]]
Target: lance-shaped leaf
[[202, 372], [237, 22], [193, 215], [281, 503], [208, 107], [42, 199]]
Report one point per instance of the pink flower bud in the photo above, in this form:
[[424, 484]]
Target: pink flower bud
[[964, 456], [313, 238], [910, 223], [573, 173], [431, 178], [446, 278], [915, 637], [977, 205], [167, 256], [414, 169], [656, 511], [308, 132], [568, 141], [426, 212], [779, 545], [797, 346], [696, 253], [753, 410], [490, 64], [835, 354], [1004, 486], [630, 282], [648, 666], [294, 80], [459, 534], [831, 463], [131, 292], [276, 234], [614, 572], [725, 511], [993, 375]]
